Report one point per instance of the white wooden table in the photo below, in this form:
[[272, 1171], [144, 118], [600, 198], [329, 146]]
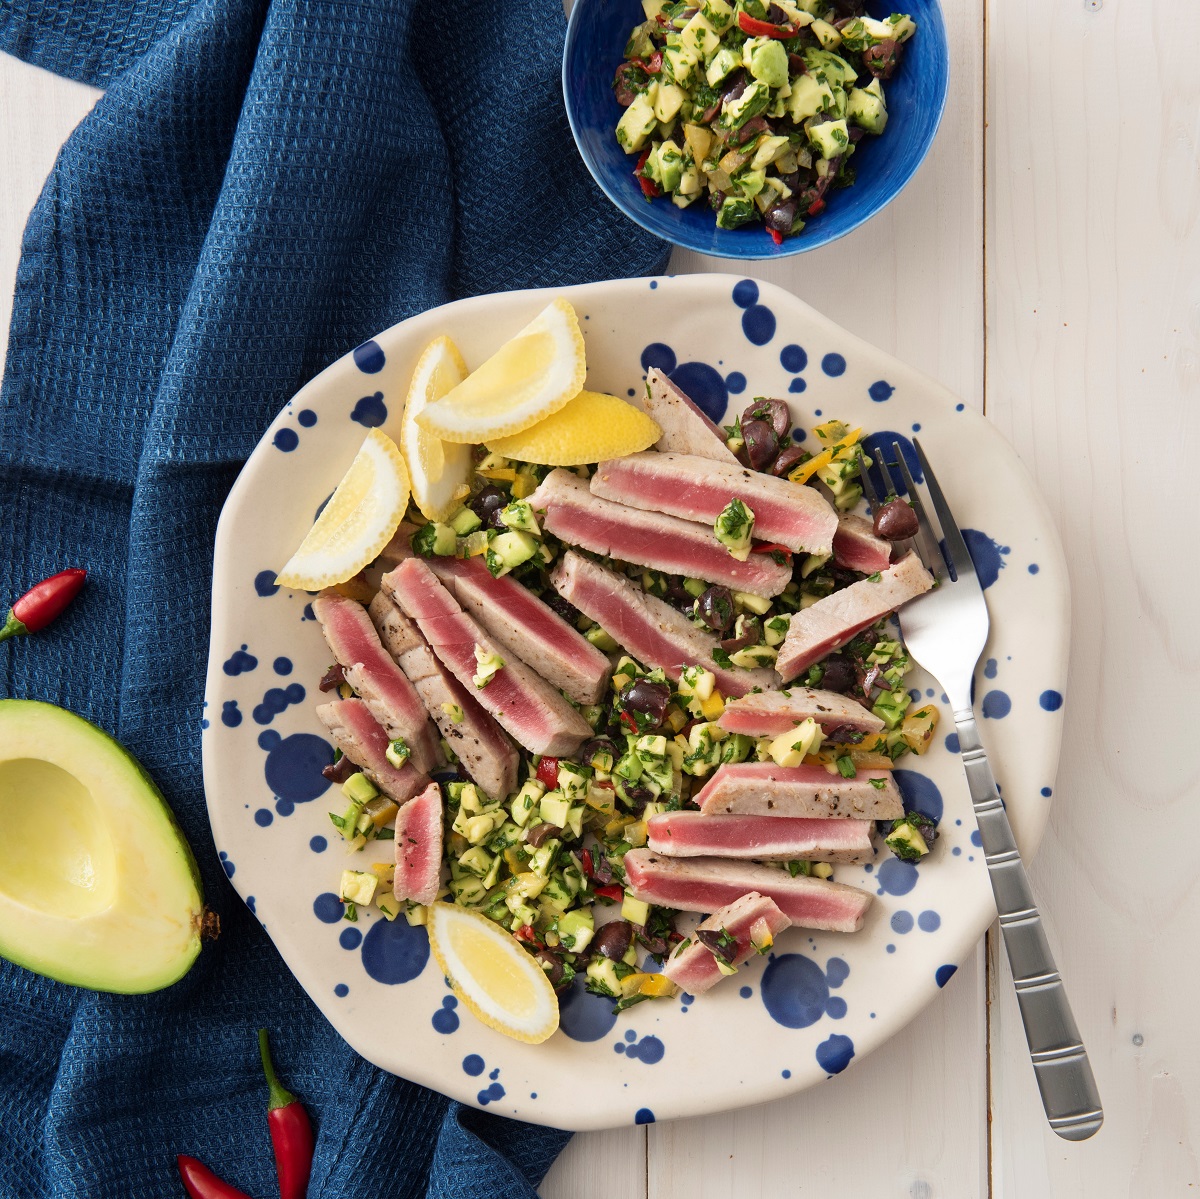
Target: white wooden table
[[1045, 265]]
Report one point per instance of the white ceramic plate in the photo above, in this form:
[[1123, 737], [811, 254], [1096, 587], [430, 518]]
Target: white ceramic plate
[[821, 1001]]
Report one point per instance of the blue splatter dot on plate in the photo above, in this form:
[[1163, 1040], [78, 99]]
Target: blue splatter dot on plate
[[395, 951], [833, 365], [977, 838], [793, 358], [294, 764], [929, 921], [986, 554], [902, 922], [643, 1115], [880, 444], [996, 705], [837, 970], [306, 418], [758, 324], [239, 662], [370, 411], [836, 1008], [350, 938], [896, 877], [286, 440], [318, 844], [231, 717], [746, 992], [341, 990], [794, 990], [649, 1050], [704, 386], [263, 817], [944, 974], [473, 1065], [327, 907], [880, 390], [369, 357], [1033, 568], [952, 743], [490, 1094], [735, 381], [834, 1054], [745, 293], [282, 666], [584, 1016], [1050, 700], [277, 700], [990, 669], [1046, 792], [656, 354], [796, 386], [264, 583], [920, 794], [226, 864]]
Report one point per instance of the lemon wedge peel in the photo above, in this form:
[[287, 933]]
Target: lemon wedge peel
[[440, 471], [531, 376], [494, 977], [589, 428], [358, 521]]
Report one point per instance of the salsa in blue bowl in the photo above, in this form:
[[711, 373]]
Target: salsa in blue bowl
[[916, 97]]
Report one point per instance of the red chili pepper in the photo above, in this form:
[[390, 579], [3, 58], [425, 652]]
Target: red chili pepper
[[756, 28], [547, 772], [291, 1130], [612, 891], [776, 236], [627, 718], [42, 603], [649, 187], [654, 63], [525, 933], [588, 865], [770, 547], [201, 1183], [816, 206]]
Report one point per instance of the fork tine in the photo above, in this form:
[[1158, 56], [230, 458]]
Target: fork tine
[[889, 484], [956, 547], [864, 475], [926, 538]]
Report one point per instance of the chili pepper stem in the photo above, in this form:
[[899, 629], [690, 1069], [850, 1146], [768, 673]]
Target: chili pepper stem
[[12, 627], [280, 1096]]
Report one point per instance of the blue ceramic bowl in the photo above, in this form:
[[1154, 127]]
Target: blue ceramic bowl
[[916, 98]]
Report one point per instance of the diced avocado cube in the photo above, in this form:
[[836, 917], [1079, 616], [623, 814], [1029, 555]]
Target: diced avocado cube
[[769, 62], [508, 550], [465, 521], [467, 890], [718, 13], [359, 789], [667, 167], [519, 516], [866, 110], [653, 7], [574, 824], [358, 886], [554, 890], [829, 139], [488, 664], [678, 64], [810, 96], [906, 842], [603, 977], [389, 907], [754, 657], [735, 523], [629, 767], [735, 212], [737, 747], [832, 67], [735, 113], [826, 34], [790, 748], [669, 101], [822, 870], [434, 539], [724, 61], [600, 639], [525, 800], [573, 779], [903, 26], [651, 746], [637, 123], [767, 150], [575, 930], [699, 36], [476, 861], [555, 808]]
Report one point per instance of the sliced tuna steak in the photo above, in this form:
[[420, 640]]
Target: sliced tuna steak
[[810, 792], [754, 921], [686, 429], [525, 626], [665, 543], [483, 748], [832, 621], [762, 838], [855, 546], [708, 884], [526, 706], [697, 489], [359, 736], [419, 847], [646, 627], [374, 675], [392, 554], [769, 713]]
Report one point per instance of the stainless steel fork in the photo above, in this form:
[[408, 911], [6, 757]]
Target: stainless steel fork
[[945, 631]]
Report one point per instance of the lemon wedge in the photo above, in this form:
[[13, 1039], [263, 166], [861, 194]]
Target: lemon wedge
[[356, 523], [591, 427], [501, 984], [531, 376], [439, 470]]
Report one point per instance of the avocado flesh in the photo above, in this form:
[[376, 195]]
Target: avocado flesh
[[98, 887]]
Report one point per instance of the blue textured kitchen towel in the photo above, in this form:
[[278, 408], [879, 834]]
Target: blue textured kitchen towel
[[264, 185]]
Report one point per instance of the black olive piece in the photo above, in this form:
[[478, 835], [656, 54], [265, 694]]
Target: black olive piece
[[651, 699], [612, 940], [896, 520], [539, 833], [774, 412], [715, 608], [551, 963], [787, 461], [761, 443], [839, 675]]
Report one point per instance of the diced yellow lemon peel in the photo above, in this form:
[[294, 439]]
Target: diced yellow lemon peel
[[440, 471], [531, 376], [498, 981], [359, 520], [838, 452], [591, 427]]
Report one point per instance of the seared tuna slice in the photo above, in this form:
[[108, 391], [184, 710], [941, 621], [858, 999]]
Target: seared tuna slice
[[811, 792], [483, 748], [698, 489], [832, 621], [419, 847], [646, 627], [374, 675], [686, 429], [666, 543], [708, 884], [769, 713], [754, 921], [763, 838], [525, 626], [855, 546], [392, 554], [359, 736], [532, 712]]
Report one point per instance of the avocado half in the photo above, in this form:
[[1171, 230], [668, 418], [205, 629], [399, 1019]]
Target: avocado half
[[98, 887]]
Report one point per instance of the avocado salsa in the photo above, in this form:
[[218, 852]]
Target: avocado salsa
[[755, 108]]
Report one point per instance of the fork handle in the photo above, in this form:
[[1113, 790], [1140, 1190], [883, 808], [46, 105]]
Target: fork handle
[[1060, 1061]]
